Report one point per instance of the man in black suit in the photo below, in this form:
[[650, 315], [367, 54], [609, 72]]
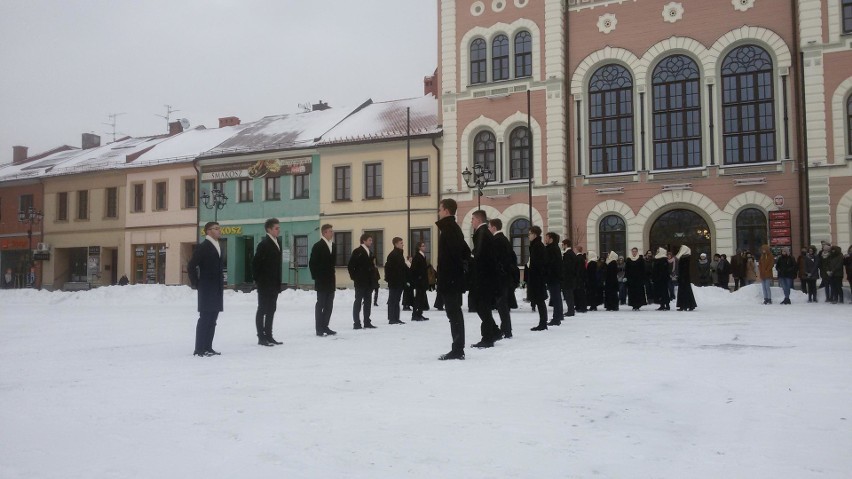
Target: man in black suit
[[321, 265], [420, 282], [484, 282], [453, 257], [266, 265], [396, 272], [553, 276], [361, 272], [536, 277], [205, 275], [569, 276], [507, 266]]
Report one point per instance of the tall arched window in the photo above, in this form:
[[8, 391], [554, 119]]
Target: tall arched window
[[611, 120], [612, 235], [677, 113], [523, 55], [748, 106], [478, 58], [485, 151], [520, 241], [849, 125], [751, 230], [500, 58], [519, 153]]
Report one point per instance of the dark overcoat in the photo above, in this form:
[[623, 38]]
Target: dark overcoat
[[484, 263], [321, 265], [536, 273], [569, 270], [453, 256], [266, 266], [396, 271], [205, 274], [685, 296], [361, 268]]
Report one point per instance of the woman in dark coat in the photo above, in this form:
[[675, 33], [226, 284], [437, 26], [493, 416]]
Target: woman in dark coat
[[536, 287], [611, 282], [634, 272], [685, 298], [661, 275], [592, 281]]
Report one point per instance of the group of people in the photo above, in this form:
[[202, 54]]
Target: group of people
[[489, 273]]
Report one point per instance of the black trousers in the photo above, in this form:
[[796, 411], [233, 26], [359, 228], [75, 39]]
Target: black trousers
[[488, 328], [322, 310], [394, 296], [420, 302], [266, 306], [204, 330], [555, 291], [568, 295], [362, 296], [453, 305], [503, 308]]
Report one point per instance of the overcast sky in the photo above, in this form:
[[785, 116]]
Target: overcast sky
[[66, 65]]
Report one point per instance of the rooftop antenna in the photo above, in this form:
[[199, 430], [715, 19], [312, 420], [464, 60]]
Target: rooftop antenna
[[167, 116], [112, 123]]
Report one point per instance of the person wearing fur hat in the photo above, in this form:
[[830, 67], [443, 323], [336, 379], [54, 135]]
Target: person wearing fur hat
[[611, 282], [685, 298], [703, 270], [592, 281], [634, 272], [661, 276]]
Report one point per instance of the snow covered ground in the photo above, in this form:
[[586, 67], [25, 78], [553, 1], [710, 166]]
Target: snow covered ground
[[103, 384]]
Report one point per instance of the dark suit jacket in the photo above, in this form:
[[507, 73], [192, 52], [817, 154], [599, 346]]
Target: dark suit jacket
[[361, 268], [453, 256], [321, 265], [569, 269], [396, 271], [267, 267], [537, 272], [506, 260], [553, 273], [419, 271], [205, 274]]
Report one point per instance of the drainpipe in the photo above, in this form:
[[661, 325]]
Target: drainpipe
[[802, 146], [438, 170], [569, 233]]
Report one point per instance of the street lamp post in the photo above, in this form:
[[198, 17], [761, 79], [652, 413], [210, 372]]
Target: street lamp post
[[478, 178], [31, 217], [215, 201]]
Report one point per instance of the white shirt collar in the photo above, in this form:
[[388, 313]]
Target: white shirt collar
[[215, 244], [327, 242], [366, 248], [274, 240]]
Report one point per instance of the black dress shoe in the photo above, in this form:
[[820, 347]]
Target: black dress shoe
[[262, 341], [554, 323], [321, 334], [451, 355], [483, 344], [507, 335], [272, 340], [539, 328], [330, 332], [211, 352], [396, 321], [356, 325], [406, 308], [200, 354], [369, 325]]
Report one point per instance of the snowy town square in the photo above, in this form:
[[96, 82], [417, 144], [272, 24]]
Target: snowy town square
[[103, 384]]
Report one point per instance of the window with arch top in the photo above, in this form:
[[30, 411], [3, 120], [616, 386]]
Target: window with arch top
[[500, 58], [751, 230], [519, 153], [485, 151], [518, 233], [611, 120], [478, 61], [748, 106], [523, 55], [612, 235], [677, 113]]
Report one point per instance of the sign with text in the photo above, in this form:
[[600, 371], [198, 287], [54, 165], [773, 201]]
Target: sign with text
[[226, 230], [780, 230], [259, 169]]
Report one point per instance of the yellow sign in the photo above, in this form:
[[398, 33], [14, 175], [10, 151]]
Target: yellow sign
[[228, 230]]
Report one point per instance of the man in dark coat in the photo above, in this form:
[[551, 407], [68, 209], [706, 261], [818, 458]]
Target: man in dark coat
[[419, 282], [723, 272], [553, 276], [321, 264], [266, 265], [361, 271], [537, 277], [569, 276], [453, 258], [685, 297], [205, 275], [396, 272], [507, 267], [580, 301], [484, 282]]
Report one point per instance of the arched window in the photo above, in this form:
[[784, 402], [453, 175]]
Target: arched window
[[751, 230], [849, 125], [500, 58], [523, 55], [519, 153], [677, 113], [485, 151], [520, 241], [478, 57], [611, 120], [748, 106], [612, 235]]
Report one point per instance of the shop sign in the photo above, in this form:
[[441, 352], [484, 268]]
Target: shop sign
[[226, 230], [260, 169], [780, 231], [94, 250], [41, 255], [14, 244]]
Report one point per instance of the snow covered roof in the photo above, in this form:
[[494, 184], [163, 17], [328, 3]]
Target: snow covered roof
[[35, 169], [186, 146], [105, 157], [280, 132], [386, 120]]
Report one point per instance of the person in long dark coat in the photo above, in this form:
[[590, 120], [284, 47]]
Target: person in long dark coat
[[569, 276], [377, 277], [419, 283], [592, 294], [649, 283], [553, 276], [661, 275], [611, 299], [507, 264], [484, 281], [205, 275], [266, 266], [634, 272], [580, 301], [453, 258], [361, 271], [536, 277], [396, 274], [685, 297], [321, 265]]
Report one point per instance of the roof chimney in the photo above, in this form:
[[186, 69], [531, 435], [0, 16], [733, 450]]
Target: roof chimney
[[90, 140], [19, 154], [175, 127], [228, 121], [320, 106]]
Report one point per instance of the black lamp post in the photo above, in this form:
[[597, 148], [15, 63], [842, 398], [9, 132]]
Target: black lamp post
[[31, 217], [478, 178], [215, 201]]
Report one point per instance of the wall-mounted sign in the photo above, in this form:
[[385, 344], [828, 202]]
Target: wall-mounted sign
[[14, 244], [779, 200], [780, 231], [259, 169], [41, 255], [226, 230]]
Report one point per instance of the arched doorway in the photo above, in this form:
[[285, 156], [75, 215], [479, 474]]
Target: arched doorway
[[682, 227]]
